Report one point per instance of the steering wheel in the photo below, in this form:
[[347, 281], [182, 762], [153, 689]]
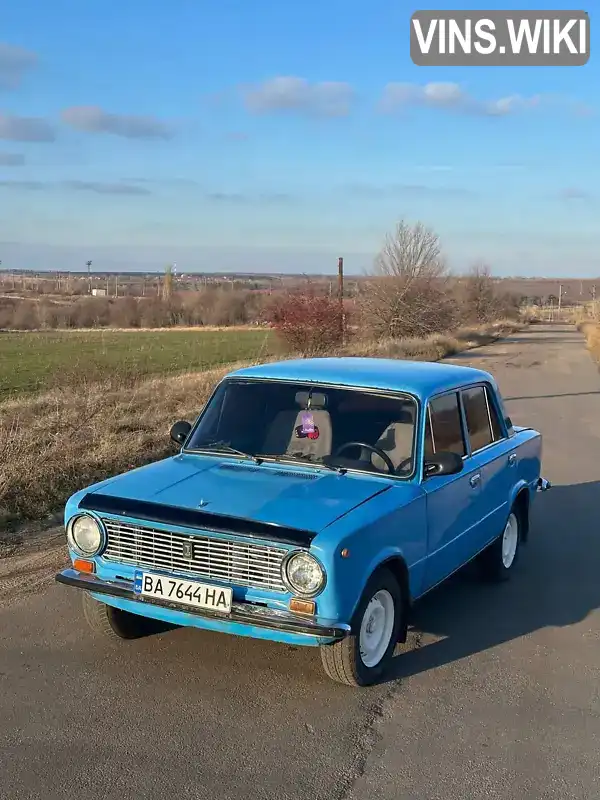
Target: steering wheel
[[384, 456], [406, 463]]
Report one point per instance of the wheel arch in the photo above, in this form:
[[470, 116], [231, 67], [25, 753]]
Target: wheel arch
[[395, 564], [521, 504]]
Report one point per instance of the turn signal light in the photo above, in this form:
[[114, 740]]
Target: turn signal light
[[84, 566], [302, 606]]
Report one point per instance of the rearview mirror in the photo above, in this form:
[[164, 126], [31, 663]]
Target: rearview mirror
[[444, 463], [180, 431]]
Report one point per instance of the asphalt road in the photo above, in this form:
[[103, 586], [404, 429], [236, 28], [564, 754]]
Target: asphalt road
[[496, 695]]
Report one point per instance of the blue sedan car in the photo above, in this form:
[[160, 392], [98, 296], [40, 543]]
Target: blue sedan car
[[312, 502]]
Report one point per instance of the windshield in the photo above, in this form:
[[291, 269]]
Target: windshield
[[345, 428]]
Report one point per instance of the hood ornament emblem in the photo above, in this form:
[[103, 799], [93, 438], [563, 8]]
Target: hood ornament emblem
[[202, 503]]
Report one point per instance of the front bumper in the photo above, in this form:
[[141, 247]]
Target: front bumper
[[246, 614]]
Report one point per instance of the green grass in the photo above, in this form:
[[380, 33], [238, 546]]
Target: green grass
[[34, 361]]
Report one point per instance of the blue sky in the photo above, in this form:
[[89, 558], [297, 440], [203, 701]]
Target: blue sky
[[273, 136]]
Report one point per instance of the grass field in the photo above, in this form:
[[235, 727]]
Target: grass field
[[35, 361]]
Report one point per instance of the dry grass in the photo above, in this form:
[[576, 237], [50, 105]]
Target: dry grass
[[55, 443], [438, 345], [591, 331]]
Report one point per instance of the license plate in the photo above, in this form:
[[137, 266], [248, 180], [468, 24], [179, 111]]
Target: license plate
[[176, 590]]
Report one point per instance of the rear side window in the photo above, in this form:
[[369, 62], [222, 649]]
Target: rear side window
[[483, 424], [443, 431]]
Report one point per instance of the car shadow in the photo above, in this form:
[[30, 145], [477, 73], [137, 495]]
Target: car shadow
[[555, 583]]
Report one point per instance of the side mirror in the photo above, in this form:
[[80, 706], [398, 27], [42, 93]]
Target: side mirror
[[180, 431], [508, 422], [444, 463]]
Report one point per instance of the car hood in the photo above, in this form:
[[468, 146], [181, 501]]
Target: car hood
[[285, 495]]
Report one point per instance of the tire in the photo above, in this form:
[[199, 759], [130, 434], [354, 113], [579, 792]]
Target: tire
[[113, 623], [498, 560], [343, 661]]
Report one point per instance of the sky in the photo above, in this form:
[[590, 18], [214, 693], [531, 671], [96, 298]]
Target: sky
[[272, 136]]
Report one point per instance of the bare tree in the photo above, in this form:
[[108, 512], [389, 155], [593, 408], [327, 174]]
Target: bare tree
[[408, 293], [478, 294]]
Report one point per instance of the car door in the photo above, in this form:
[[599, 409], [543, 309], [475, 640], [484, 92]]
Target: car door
[[453, 510], [493, 454]]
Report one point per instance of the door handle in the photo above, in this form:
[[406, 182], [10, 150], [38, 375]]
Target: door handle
[[474, 480], [512, 459]]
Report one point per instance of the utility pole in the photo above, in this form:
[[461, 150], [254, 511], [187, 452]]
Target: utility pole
[[341, 297], [89, 269], [560, 289]]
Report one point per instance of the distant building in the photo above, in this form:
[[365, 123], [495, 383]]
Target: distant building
[[99, 292]]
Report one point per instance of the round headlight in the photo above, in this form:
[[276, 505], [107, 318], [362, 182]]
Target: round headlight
[[85, 535], [303, 574]]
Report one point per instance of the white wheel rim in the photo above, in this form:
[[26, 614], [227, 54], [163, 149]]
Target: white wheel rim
[[376, 628], [510, 540]]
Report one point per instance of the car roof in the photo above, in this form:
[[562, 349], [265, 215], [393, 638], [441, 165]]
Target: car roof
[[419, 378]]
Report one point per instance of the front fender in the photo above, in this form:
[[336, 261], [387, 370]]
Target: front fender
[[392, 525]]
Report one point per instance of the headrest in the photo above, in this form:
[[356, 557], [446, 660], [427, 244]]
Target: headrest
[[317, 399], [408, 413]]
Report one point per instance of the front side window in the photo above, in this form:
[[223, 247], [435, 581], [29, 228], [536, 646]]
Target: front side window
[[349, 428], [443, 430], [483, 424]]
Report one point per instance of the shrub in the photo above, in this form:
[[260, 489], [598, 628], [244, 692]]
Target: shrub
[[25, 316], [124, 312], [306, 322]]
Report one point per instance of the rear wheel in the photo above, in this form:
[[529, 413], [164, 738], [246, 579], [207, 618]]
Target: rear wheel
[[363, 657], [498, 560], [114, 623]]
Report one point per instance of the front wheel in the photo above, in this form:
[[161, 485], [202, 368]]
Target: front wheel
[[113, 623], [497, 561], [362, 657]]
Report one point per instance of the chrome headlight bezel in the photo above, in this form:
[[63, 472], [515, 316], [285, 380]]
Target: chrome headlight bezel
[[288, 583], [72, 541]]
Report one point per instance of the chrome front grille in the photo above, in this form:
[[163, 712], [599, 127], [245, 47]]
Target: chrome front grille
[[211, 558]]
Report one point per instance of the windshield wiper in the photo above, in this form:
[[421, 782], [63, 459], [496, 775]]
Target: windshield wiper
[[306, 459], [225, 447]]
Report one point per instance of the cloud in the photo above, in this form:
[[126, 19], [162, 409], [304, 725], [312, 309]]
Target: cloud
[[414, 190], [30, 186], [106, 188], [175, 182], [452, 97], [227, 197], [93, 119], [397, 96], [572, 193], [265, 198], [25, 129], [12, 159], [513, 104], [288, 93], [14, 63], [99, 187]]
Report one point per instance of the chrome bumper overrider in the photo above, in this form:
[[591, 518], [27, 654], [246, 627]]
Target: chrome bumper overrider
[[244, 613], [543, 485]]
